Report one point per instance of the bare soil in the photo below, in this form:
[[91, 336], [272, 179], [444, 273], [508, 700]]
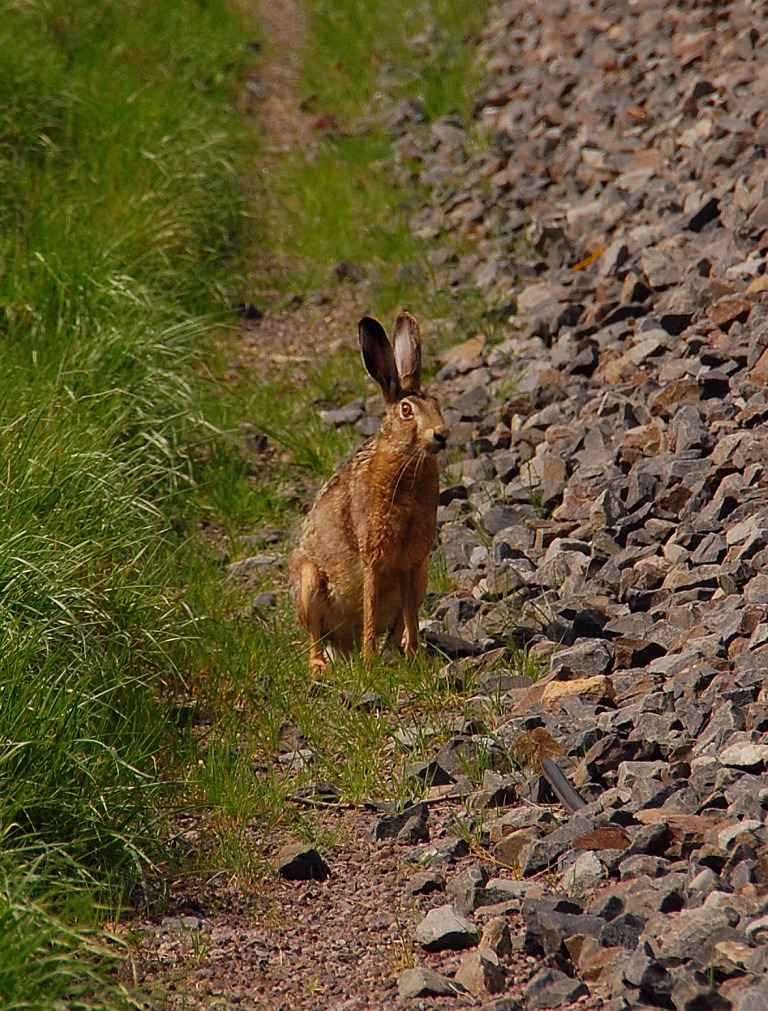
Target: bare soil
[[337, 944]]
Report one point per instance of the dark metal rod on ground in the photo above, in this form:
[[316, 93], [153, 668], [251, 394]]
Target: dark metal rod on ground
[[568, 796]]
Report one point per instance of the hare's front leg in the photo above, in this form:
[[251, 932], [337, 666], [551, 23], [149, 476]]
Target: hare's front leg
[[414, 589], [310, 604], [370, 596]]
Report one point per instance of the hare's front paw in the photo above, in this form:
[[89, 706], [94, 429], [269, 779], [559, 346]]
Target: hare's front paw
[[410, 643], [318, 663]]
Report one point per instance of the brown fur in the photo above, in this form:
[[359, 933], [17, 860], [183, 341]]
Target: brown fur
[[359, 568]]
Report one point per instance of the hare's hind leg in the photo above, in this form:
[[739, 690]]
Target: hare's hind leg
[[311, 602], [414, 591], [395, 636]]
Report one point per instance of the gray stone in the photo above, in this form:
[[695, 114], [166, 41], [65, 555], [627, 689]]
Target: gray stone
[[410, 826], [749, 994], [263, 603], [426, 882], [508, 849], [687, 936], [498, 518], [504, 1004], [446, 928], [422, 982], [549, 921], [474, 876], [648, 975], [693, 989], [254, 565], [346, 415], [702, 885], [605, 511], [496, 936], [430, 773], [481, 973], [543, 853], [646, 896], [623, 931], [447, 849], [299, 862], [474, 899], [630, 772], [584, 873], [650, 840], [585, 658], [552, 989], [746, 756], [643, 865]]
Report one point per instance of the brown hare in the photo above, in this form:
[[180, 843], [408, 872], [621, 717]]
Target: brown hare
[[359, 568]]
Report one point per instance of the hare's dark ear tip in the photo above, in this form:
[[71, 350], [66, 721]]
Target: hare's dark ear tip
[[369, 328]]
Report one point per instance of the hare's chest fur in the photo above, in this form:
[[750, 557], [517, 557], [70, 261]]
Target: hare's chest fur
[[395, 518]]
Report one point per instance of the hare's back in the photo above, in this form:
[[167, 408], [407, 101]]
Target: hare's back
[[328, 534]]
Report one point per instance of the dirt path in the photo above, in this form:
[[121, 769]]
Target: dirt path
[[335, 945], [285, 125], [286, 338], [339, 944]]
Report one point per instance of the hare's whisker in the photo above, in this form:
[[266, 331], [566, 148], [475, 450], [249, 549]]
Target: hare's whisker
[[398, 478], [420, 458]]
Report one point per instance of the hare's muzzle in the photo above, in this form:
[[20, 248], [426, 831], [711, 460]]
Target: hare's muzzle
[[439, 439]]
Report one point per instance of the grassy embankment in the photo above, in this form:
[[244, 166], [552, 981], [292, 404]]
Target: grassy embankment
[[125, 233]]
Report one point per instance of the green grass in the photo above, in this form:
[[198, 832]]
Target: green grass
[[49, 959], [421, 51], [317, 199], [122, 231], [239, 780]]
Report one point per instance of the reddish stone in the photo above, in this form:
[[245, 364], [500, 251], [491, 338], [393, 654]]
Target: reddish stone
[[726, 310]]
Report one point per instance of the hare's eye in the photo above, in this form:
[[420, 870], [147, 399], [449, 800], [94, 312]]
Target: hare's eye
[[406, 409]]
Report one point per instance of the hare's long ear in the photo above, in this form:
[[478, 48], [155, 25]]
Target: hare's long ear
[[378, 357], [407, 344]]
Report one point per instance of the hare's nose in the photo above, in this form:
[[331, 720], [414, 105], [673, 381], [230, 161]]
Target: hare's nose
[[440, 436]]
